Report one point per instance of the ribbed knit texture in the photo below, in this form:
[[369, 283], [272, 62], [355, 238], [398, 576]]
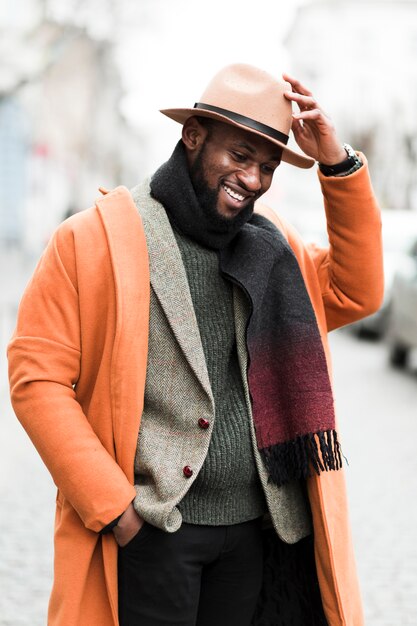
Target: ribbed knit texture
[[227, 489]]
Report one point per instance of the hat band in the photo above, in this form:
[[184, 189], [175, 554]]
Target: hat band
[[245, 121]]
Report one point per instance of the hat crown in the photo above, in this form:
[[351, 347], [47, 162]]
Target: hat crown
[[253, 93]]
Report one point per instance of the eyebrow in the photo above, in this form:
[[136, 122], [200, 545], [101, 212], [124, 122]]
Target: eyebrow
[[252, 150]]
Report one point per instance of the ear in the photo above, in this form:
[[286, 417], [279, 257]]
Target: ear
[[193, 135]]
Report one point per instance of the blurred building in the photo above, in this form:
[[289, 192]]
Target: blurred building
[[61, 131], [360, 58]]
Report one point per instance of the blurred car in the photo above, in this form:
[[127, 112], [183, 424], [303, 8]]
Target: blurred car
[[399, 230], [402, 322]]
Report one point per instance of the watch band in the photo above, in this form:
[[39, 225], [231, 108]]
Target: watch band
[[344, 168]]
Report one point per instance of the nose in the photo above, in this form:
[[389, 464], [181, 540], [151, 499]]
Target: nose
[[250, 177]]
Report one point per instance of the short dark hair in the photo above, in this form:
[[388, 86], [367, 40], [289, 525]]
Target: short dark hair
[[208, 123]]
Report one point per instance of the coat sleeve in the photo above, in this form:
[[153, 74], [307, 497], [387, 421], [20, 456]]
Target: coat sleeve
[[44, 366], [350, 270]]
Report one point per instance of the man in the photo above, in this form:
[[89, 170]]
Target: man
[[170, 364]]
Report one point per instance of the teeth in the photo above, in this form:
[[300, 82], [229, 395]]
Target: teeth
[[233, 194]]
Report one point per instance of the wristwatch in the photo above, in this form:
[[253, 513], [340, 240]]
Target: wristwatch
[[346, 167]]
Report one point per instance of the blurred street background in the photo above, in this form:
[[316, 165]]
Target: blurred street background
[[81, 83]]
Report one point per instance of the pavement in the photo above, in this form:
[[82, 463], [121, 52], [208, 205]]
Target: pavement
[[378, 421]]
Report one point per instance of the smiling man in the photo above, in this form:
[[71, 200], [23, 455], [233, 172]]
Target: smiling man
[[170, 363]]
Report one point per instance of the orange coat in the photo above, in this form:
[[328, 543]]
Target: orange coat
[[77, 371]]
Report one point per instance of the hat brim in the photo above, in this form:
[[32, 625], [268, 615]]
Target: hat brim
[[288, 155]]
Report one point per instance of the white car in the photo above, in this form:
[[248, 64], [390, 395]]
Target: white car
[[402, 323], [399, 230]]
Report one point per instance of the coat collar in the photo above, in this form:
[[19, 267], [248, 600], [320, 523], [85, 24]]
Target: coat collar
[[169, 280]]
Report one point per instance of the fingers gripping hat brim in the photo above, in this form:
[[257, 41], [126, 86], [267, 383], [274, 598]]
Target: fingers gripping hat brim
[[248, 124]]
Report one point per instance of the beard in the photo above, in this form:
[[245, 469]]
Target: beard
[[207, 198]]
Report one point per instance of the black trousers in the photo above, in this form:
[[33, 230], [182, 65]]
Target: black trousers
[[197, 576]]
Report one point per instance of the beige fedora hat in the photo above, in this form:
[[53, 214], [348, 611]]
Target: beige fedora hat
[[252, 99]]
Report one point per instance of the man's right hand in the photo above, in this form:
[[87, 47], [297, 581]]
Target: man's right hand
[[128, 526]]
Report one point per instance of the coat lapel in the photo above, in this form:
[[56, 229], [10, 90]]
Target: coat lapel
[[169, 280], [127, 246]]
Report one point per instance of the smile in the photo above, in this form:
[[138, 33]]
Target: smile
[[233, 194]]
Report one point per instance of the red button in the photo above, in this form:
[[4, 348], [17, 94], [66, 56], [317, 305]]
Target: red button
[[187, 471], [203, 423]]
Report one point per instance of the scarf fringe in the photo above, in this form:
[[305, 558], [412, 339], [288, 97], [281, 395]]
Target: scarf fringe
[[294, 460]]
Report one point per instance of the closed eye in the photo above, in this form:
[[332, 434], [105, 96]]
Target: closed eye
[[268, 169], [238, 156]]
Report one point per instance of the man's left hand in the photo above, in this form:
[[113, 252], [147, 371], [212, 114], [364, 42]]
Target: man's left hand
[[128, 526], [313, 129]]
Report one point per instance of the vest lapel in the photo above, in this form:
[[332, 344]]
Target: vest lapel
[[169, 280]]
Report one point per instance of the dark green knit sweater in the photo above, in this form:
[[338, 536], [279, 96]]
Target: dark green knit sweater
[[227, 489]]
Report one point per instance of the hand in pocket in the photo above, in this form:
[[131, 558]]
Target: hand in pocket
[[128, 526]]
